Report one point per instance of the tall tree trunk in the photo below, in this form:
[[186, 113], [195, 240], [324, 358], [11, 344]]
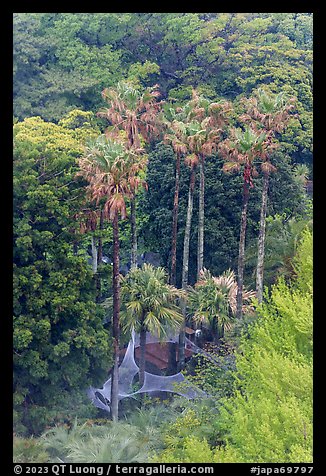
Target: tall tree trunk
[[261, 241], [175, 222], [100, 240], [116, 318], [185, 266], [99, 258], [242, 249], [201, 209], [133, 232], [142, 342], [94, 255], [172, 365]]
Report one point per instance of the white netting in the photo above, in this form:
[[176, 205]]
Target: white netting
[[152, 383]]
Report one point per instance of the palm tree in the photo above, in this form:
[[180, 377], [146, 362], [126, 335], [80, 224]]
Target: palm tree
[[192, 162], [207, 121], [120, 443], [271, 113], [282, 237], [241, 152], [136, 114], [148, 305], [213, 301], [112, 174], [176, 137]]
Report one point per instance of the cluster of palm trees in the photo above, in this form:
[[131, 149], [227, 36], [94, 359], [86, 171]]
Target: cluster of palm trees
[[114, 167]]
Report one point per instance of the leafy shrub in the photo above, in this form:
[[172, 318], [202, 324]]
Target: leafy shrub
[[29, 450]]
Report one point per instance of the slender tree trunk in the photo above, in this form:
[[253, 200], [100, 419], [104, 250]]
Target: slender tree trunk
[[215, 333], [242, 249], [99, 258], [172, 357], [133, 232], [100, 240], [94, 256], [175, 222], [142, 355], [201, 209], [116, 318], [185, 265], [261, 241]]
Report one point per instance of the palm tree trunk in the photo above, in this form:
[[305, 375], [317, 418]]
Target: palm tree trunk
[[116, 316], [242, 249], [261, 241], [133, 232], [185, 265], [200, 254], [100, 241], [172, 366], [175, 222], [99, 258], [142, 355], [94, 256], [215, 332]]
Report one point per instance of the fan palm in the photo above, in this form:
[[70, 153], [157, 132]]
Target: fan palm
[[282, 237], [241, 152], [117, 443], [271, 113], [136, 114], [176, 137], [207, 123], [148, 305], [213, 301], [112, 172]]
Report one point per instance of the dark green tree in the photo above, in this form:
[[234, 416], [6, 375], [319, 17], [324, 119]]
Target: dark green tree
[[59, 341]]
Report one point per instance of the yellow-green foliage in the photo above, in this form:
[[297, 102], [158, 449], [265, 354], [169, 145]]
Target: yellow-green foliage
[[181, 444], [29, 450], [270, 418], [191, 450], [68, 136]]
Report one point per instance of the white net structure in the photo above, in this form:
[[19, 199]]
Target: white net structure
[[128, 369]]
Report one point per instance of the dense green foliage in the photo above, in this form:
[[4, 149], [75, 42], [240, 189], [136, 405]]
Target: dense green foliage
[[64, 60], [223, 202], [59, 340], [79, 160], [269, 417]]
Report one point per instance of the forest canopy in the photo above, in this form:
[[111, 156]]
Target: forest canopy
[[163, 171]]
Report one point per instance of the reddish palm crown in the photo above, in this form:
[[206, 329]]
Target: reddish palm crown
[[243, 150], [271, 114], [132, 111], [112, 172], [269, 111]]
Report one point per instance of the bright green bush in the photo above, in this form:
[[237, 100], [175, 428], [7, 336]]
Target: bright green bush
[[270, 417]]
